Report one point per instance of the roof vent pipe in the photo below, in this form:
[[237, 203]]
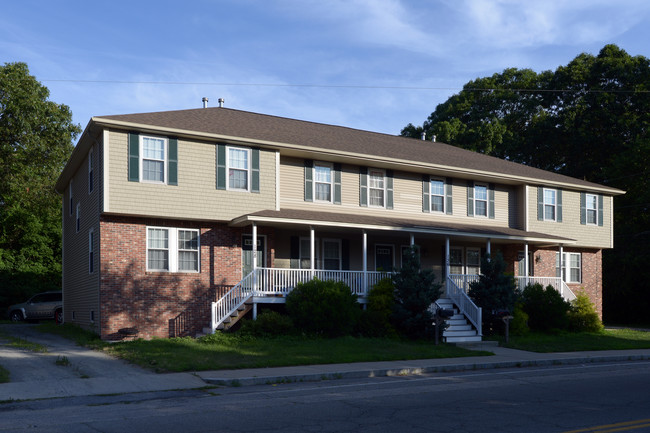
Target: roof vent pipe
[[221, 101], [424, 135], [205, 102]]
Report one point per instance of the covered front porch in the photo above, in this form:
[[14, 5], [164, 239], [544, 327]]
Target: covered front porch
[[283, 248]]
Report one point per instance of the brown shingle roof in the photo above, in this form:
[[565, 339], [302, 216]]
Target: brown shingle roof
[[308, 217], [253, 126]]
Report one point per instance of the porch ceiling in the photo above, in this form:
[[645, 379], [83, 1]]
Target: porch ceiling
[[305, 218]]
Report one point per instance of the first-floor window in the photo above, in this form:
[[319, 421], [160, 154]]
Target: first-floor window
[[570, 269], [305, 253], [332, 254], [172, 249]]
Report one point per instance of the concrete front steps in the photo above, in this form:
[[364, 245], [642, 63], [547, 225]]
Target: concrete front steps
[[458, 329]]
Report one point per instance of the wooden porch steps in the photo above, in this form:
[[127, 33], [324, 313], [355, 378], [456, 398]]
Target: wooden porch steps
[[458, 329]]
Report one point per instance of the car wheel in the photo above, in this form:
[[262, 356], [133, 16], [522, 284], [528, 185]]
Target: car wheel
[[58, 317], [16, 316]]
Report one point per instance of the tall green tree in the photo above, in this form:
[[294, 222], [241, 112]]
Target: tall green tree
[[36, 138], [589, 119]]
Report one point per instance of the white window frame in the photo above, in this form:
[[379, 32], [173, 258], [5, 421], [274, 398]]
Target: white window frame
[[340, 255], [173, 250], [566, 268], [469, 265], [165, 159], [315, 182], [477, 200], [382, 188], [593, 200], [91, 251], [553, 205], [78, 218], [432, 195], [247, 169], [91, 176]]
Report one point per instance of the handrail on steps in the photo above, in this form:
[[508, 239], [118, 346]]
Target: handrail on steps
[[473, 313], [232, 300]]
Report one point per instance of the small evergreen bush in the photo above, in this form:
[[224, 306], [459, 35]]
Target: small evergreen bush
[[519, 322], [326, 308], [267, 324], [546, 309], [583, 316], [415, 291]]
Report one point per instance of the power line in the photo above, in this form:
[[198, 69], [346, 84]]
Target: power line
[[341, 86]]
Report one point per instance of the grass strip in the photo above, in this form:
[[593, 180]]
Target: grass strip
[[609, 339], [4, 375], [21, 343]]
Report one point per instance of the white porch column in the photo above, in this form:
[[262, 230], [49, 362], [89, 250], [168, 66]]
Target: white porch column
[[254, 268], [447, 260], [365, 261], [488, 247], [561, 262], [312, 251], [412, 239], [526, 263]]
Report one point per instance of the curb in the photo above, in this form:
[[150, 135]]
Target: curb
[[414, 371]]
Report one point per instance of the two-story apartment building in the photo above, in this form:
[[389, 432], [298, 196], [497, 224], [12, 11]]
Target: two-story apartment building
[[166, 213]]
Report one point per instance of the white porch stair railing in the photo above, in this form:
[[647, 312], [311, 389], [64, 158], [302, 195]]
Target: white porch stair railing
[[466, 306], [264, 282], [464, 280]]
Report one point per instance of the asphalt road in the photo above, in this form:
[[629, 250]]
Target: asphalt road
[[590, 398]]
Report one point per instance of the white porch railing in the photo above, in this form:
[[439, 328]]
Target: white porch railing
[[459, 296], [277, 281], [463, 281]]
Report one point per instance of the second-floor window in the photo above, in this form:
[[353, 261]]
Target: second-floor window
[[153, 159], [592, 208], [437, 195], [322, 182], [238, 168], [376, 187], [91, 251], [480, 200], [78, 217], [550, 203]]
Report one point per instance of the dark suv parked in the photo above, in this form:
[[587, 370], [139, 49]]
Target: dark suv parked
[[47, 305]]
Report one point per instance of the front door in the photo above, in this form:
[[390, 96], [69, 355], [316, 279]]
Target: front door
[[247, 253], [384, 258]]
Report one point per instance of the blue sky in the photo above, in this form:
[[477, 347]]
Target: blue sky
[[367, 64]]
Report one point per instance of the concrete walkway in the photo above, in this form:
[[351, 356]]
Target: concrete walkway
[[88, 372]]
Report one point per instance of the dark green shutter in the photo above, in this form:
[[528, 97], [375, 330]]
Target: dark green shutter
[[363, 186], [470, 198], [559, 205], [583, 208], [491, 201], [134, 157], [309, 180], [255, 170], [600, 210], [172, 178], [294, 253], [426, 196], [449, 200], [221, 166], [337, 183], [389, 189], [540, 203], [345, 254]]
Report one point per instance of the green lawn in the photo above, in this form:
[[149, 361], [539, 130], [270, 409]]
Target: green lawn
[[609, 339], [4, 375], [231, 351]]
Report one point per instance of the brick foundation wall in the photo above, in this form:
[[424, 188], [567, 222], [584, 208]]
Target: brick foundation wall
[[164, 304]]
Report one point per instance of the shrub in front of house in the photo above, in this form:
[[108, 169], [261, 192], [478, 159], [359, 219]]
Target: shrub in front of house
[[546, 308], [583, 316], [519, 322], [375, 320], [326, 308], [268, 324]]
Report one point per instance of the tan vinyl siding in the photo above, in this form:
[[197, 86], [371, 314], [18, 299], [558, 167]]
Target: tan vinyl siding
[[81, 289], [195, 196], [407, 196], [590, 236]]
